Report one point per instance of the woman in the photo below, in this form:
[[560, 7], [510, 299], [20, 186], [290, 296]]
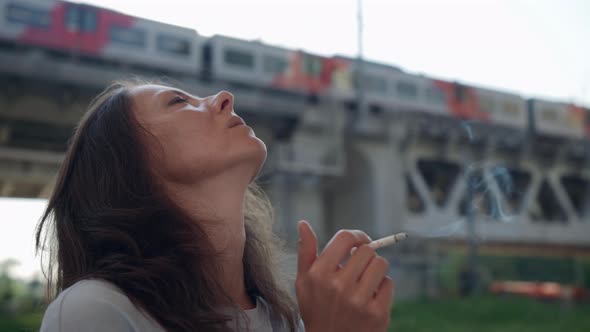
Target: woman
[[155, 224]]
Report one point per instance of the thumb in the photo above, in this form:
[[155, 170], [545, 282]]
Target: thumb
[[308, 247]]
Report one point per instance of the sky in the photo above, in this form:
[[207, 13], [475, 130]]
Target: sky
[[19, 218], [536, 48]]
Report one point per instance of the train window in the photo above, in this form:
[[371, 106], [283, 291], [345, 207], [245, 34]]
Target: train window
[[406, 90], [549, 114], [89, 19], [375, 83], [80, 18], [73, 18], [238, 58], [435, 95], [486, 104], [127, 36], [173, 45], [312, 65], [273, 64], [510, 107], [17, 13]]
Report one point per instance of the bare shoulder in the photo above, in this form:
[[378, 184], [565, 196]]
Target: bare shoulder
[[94, 305]]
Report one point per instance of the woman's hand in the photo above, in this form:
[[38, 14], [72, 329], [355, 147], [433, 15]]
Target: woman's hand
[[354, 297]]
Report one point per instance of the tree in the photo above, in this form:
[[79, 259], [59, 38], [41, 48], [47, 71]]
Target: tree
[[7, 284]]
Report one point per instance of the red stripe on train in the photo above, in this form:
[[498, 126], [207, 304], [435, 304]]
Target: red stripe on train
[[58, 36]]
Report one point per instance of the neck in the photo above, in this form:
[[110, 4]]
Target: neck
[[220, 204]]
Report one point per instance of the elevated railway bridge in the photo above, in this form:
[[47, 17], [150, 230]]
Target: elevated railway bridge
[[393, 171]]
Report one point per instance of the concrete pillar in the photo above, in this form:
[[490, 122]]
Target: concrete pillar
[[349, 198], [296, 197], [278, 193], [307, 202], [386, 167]]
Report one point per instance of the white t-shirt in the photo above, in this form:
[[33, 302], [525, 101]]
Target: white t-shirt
[[97, 305]]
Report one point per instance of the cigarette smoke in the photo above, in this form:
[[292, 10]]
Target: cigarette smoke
[[489, 186]]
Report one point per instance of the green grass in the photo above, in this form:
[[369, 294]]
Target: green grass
[[487, 314], [480, 314]]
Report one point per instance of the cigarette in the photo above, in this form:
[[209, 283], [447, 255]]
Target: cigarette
[[385, 241], [388, 240]]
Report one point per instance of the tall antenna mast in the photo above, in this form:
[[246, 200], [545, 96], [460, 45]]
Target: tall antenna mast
[[359, 77]]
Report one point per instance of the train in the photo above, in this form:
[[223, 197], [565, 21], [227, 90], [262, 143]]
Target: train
[[108, 36]]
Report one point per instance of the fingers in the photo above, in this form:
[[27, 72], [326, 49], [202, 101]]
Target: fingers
[[308, 247], [372, 277], [384, 296], [339, 247], [358, 262]]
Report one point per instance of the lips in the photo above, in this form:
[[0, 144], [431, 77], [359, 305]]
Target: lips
[[235, 121]]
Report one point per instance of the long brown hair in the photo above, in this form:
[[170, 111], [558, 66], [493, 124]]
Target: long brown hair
[[108, 219]]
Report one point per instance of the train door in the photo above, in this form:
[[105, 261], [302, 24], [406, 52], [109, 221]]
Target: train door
[[81, 22]]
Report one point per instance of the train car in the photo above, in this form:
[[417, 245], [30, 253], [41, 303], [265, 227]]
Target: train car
[[376, 88], [587, 112], [490, 106], [308, 73], [461, 101], [254, 63], [558, 119], [106, 35], [240, 61], [387, 87], [502, 108]]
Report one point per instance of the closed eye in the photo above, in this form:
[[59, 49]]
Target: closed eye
[[177, 99]]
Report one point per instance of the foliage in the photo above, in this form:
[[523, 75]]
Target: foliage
[[21, 322], [20, 301]]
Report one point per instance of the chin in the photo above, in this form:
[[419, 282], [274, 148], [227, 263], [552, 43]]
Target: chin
[[259, 160], [255, 156]]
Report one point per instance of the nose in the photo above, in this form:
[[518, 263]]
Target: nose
[[223, 102]]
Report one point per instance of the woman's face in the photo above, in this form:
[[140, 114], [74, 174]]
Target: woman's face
[[196, 138]]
